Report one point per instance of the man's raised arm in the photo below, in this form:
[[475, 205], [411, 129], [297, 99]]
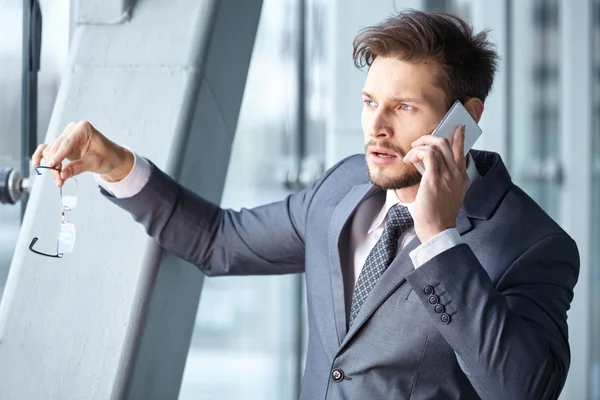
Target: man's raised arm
[[264, 240]]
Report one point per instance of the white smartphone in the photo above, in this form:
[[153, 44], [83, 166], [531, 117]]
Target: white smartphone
[[456, 116]]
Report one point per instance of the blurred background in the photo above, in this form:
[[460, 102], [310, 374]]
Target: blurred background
[[300, 114]]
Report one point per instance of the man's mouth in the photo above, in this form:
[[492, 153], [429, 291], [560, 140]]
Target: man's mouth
[[382, 157], [382, 153]]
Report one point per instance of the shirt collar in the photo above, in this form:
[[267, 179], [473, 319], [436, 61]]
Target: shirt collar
[[391, 199]]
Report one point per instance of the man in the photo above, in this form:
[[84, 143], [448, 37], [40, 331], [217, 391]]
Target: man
[[449, 285]]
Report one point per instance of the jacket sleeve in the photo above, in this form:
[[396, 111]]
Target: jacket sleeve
[[511, 340], [263, 240]]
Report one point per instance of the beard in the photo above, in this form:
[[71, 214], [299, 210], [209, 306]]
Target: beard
[[392, 177], [386, 179]]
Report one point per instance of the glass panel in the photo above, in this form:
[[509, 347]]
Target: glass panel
[[315, 131], [55, 42], [316, 89], [460, 8], [10, 122], [595, 264], [439, 5], [244, 345], [534, 58]]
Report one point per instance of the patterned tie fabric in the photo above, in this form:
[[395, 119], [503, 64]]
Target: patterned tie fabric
[[398, 221]]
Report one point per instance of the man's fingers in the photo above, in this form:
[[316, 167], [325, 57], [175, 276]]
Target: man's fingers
[[56, 144], [442, 146], [36, 159], [420, 153], [75, 168], [445, 152], [59, 142], [426, 154], [427, 140], [417, 154], [63, 151], [431, 162], [458, 147]]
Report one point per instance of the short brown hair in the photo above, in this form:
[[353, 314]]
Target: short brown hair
[[467, 61]]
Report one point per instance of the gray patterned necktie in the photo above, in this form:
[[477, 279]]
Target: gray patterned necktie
[[398, 221]]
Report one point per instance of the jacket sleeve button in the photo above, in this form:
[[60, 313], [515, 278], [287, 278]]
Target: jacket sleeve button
[[428, 290], [445, 318]]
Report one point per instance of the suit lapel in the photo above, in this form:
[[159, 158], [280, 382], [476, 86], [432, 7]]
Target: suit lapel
[[463, 223], [339, 220], [391, 279]]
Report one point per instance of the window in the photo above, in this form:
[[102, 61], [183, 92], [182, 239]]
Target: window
[[245, 343], [10, 123], [534, 60], [55, 42]]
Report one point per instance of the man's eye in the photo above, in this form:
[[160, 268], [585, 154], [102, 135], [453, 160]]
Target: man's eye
[[369, 103], [406, 107]]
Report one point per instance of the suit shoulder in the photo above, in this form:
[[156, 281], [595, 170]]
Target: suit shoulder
[[353, 161], [518, 227], [531, 221], [338, 180], [353, 167]]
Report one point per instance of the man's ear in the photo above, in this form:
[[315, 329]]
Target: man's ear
[[475, 107]]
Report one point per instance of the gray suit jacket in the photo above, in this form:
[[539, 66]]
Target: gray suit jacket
[[486, 319]]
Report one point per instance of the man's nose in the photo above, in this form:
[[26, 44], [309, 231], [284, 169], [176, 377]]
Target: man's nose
[[380, 126]]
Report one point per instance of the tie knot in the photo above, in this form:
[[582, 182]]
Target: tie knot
[[399, 218]]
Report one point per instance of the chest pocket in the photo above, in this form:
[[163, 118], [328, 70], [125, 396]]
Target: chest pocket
[[413, 298]]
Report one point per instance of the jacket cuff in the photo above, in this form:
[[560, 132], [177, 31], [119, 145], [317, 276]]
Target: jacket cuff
[[435, 246], [132, 184]]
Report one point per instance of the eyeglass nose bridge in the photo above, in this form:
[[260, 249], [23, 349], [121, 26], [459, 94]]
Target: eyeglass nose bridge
[[69, 201]]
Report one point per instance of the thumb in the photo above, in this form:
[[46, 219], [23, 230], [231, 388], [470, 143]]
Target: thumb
[[75, 168], [458, 145]]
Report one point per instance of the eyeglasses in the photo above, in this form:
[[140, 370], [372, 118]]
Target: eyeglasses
[[66, 236]]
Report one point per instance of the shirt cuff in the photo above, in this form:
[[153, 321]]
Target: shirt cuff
[[435, 246], [133, 183]]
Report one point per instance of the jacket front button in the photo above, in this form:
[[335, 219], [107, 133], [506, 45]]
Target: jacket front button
[[337, 375]]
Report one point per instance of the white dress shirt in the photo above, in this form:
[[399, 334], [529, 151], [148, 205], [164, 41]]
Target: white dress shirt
[[367, 226]]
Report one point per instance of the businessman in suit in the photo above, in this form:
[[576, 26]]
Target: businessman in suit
[[453, 284]]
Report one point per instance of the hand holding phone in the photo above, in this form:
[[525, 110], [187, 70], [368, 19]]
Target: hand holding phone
[[456, 116], [442, 189]]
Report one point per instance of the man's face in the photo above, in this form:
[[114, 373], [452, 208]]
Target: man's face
[[400, 104]]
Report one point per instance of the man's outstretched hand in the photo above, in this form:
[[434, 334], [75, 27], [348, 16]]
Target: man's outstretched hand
[[87, 150]]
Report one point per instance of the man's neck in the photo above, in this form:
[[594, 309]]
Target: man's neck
[[407, 195]]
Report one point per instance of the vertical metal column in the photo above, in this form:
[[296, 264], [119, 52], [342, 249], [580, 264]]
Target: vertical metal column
[[32, 43], [300, 154]]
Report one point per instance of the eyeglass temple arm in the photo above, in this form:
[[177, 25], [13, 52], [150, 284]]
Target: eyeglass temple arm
[[36, 169], [33, 242]]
